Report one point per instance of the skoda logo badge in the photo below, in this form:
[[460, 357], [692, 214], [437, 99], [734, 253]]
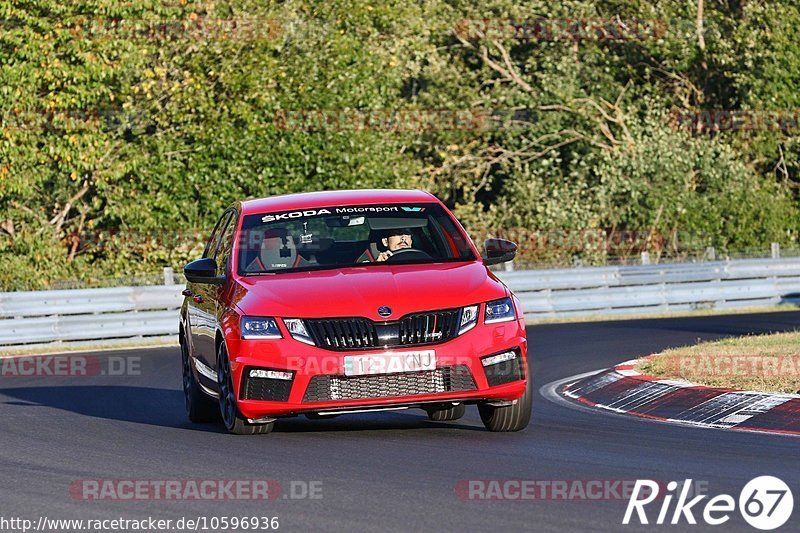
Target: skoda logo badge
[[384, 311]]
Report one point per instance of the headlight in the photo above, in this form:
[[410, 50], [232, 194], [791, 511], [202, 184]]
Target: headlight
[[298, 330], [254, 327], [265, 373], [499, 311], [469, 317]]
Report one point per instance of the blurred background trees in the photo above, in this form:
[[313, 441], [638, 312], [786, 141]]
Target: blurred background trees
[[126, 130]]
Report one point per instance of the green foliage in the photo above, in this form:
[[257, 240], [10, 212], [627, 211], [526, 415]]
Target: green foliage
[[115, 133]]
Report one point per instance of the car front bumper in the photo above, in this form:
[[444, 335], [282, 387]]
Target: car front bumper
[[319, 384]]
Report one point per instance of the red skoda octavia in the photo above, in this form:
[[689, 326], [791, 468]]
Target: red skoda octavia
[[342, 302]]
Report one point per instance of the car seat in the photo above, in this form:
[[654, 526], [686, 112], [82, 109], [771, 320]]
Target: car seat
[[277, 251]]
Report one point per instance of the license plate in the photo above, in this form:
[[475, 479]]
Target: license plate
[[360, 365]]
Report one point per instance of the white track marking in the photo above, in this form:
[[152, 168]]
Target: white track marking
[[550, 392]]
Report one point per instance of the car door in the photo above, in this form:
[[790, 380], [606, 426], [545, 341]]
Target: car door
[[202, 306]]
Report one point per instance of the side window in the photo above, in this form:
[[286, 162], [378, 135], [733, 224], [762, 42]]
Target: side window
[[223, 253], [211, 247]]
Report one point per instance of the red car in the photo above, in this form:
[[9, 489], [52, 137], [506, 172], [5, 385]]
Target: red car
[[352, 301]]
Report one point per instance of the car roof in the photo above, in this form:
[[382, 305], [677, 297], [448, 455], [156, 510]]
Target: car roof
[[313, 200]]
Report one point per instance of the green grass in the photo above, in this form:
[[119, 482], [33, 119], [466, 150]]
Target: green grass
[[768, 363]]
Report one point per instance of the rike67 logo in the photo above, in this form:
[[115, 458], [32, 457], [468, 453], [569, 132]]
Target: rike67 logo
[[765, 503]]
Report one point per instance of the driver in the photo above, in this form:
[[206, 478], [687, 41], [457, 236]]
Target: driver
[[394, 240], [389, 241]]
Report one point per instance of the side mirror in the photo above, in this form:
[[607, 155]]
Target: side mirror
[[499, 251], [203, 271]]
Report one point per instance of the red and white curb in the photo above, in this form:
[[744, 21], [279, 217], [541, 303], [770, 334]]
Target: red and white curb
[[623, 390]]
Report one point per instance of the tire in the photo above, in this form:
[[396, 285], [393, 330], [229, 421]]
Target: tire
[[444, 415], [511, 417], [228, 410], [199, 406]]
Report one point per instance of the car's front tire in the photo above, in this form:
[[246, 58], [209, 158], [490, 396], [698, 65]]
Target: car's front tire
[[233, 421], [199, 406], [453, 412], [513, 417]]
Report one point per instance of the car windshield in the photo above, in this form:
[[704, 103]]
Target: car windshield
[[346, 236]]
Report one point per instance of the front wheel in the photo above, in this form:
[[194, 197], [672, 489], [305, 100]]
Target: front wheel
[[233, 421], [510, 417]]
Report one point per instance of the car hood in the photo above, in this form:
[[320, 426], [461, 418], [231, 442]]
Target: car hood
[[360, 291]]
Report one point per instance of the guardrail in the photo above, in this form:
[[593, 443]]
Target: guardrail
[[32, 317], [646, 289], [113, 314]]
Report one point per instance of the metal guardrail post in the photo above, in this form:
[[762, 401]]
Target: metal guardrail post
[[775, 250], [169, 276]]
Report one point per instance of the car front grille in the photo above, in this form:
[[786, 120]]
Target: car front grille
[[445, 379], [361, 333]]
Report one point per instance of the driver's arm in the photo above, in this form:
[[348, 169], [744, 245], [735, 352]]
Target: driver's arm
[[383, 256]]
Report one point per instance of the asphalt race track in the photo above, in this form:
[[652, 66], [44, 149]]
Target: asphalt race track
[[379, 471]]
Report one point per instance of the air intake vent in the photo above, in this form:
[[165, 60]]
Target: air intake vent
[[445, 379]]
